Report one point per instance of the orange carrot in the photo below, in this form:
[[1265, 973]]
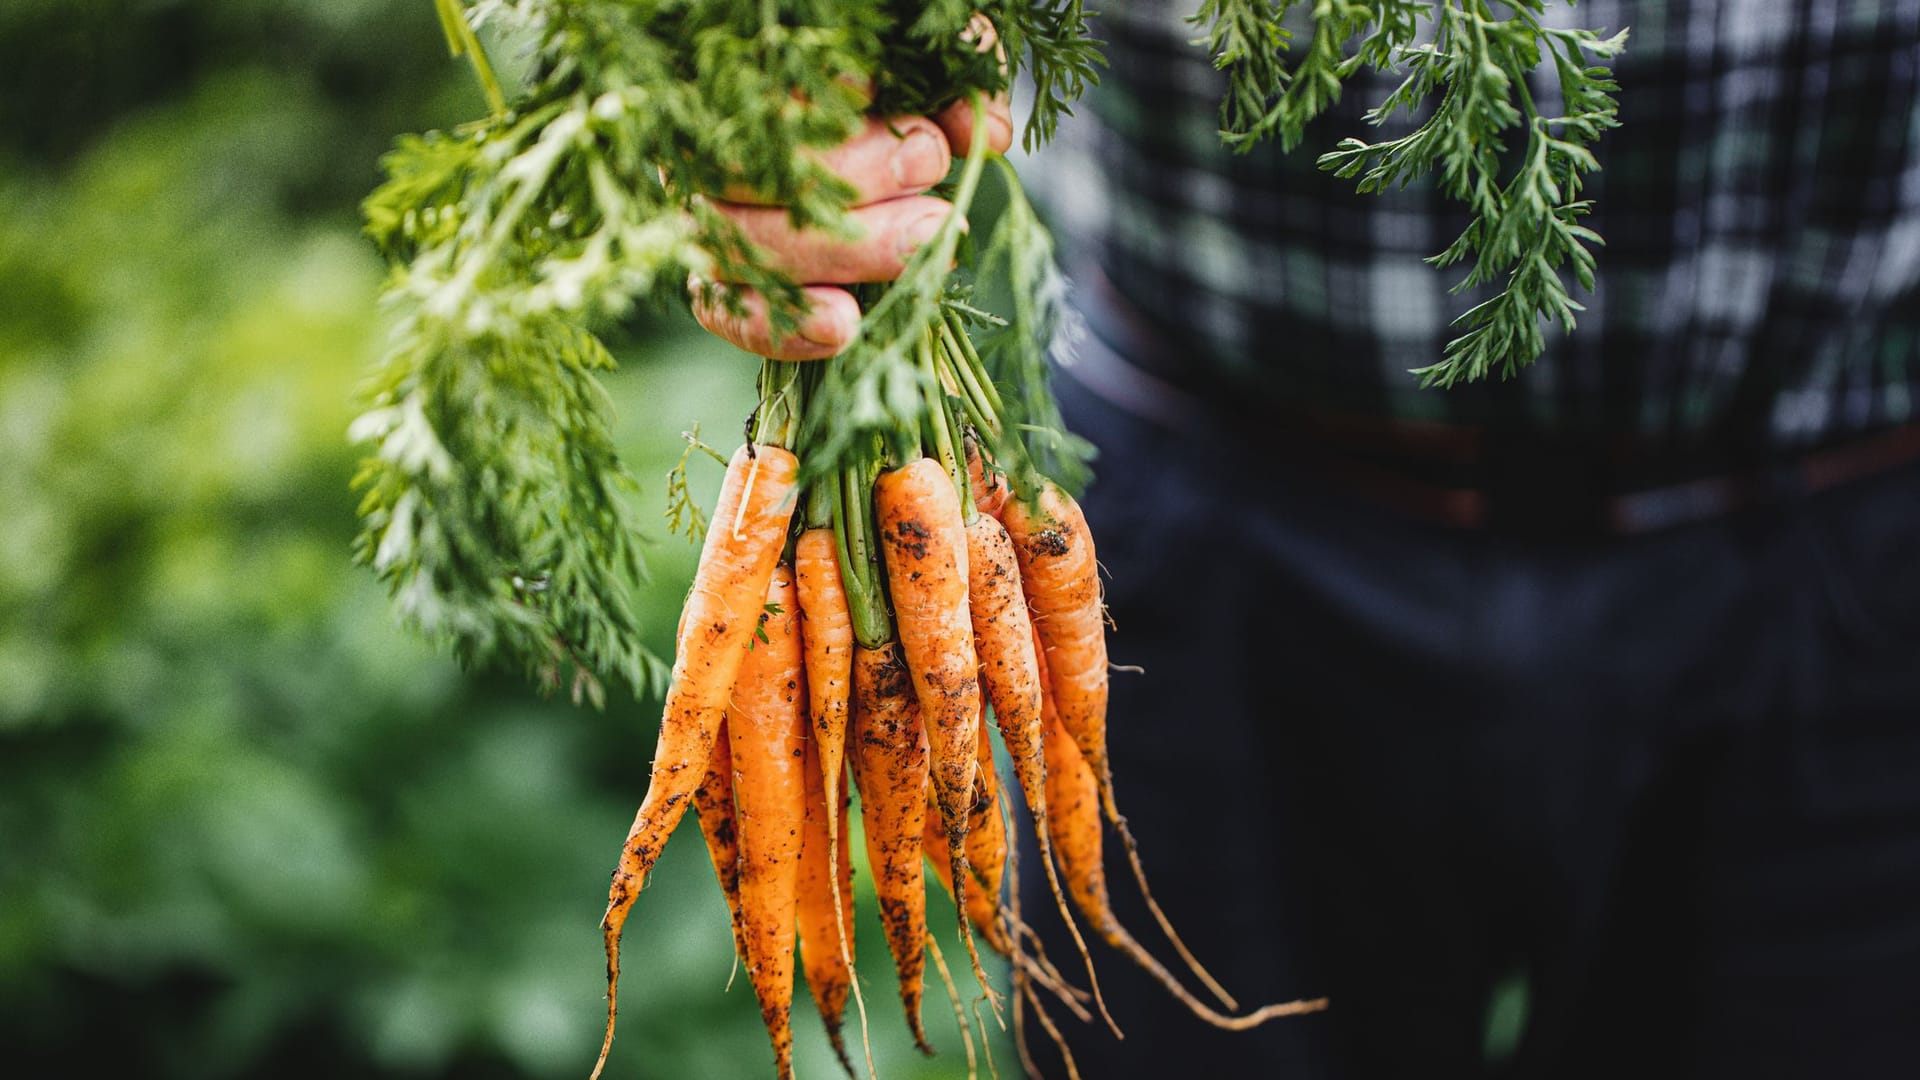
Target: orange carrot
[[713, 805], [1010, 667], [1062, 579], [986, 842], [982, 909], [923, 539], [829, 643], [989, 488], [890, 763], [721, 612], [767, 725], [828, 648], [825, 940], [1062, 583]]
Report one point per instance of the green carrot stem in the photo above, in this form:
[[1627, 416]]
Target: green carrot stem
[[974, 365], [940, 426], [859, 565], [979, 408], [776, 422], [823, 490]]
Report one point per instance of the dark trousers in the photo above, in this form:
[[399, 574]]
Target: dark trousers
[[1669, 785]]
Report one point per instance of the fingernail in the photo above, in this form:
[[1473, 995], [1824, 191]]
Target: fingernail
[[826, 327], [1002, 130], [917, 232], [918, 161]]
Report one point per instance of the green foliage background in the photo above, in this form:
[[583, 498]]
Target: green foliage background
[[247, 827]]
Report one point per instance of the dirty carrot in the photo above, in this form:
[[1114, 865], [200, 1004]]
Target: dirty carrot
[[923, 541], [828, 634], [722, 610], [986, 844], [1010, 667], [1062, 579], [890, 763], [982, 910], [767, 725]]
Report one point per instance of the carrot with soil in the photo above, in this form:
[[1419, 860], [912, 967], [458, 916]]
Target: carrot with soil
[[1010, 667], [922, 526], [1062, 579], [829, 642], [890, 763], [722, 611]]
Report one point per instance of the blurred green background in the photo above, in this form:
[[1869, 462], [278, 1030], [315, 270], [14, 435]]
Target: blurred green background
[[247, 826]]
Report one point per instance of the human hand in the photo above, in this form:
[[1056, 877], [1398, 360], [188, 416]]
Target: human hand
[[890, 164]]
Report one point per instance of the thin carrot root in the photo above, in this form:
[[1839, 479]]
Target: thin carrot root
[[1059, 1041], [1020, 1027], [986, 1043], [1062, 992], [843, 914], [959, 1009], [1166, 925]]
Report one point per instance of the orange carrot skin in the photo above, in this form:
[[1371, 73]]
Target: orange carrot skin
[[767, 725], [982, 909], [1004, 639], [721, 613], [828, 632], [1062, 583], [890, 763], [828, 975], [923, 540], [989, 488], [1073, 812], [713, 805], [845, 846], [986, 839]]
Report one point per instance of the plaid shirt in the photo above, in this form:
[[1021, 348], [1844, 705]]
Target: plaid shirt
[[1761, 205]]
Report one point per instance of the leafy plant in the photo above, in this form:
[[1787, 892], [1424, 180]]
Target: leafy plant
[[493, 506], [1525, 225]]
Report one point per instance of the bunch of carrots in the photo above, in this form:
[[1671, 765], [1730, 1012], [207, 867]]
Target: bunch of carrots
[[867, 622]]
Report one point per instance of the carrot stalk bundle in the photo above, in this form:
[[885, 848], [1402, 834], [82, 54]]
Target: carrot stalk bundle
[[722, 612], [924, 599]]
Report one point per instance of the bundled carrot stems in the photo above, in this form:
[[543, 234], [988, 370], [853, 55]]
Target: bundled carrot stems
[[888, 603]]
